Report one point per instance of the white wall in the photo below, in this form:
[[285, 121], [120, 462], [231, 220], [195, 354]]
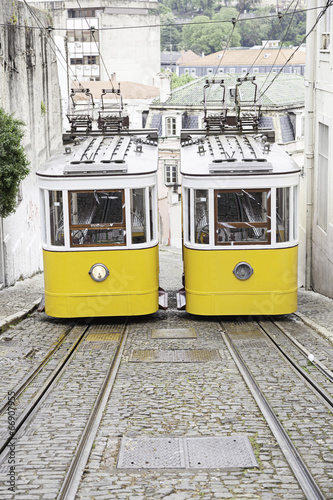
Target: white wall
[[28, 81]]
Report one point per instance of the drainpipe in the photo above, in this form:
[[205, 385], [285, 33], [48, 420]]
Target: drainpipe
[[310, 72]]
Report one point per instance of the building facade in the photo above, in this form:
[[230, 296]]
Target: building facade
[[109, 36], [318, 223]]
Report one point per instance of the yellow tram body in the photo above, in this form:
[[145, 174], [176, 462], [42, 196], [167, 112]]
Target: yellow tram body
[[131, 287], [99, 226], [240, 224], [272, 288]]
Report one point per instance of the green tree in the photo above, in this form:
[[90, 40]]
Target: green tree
[[171, 33], [13, 162], [178, 81], [211, 37]]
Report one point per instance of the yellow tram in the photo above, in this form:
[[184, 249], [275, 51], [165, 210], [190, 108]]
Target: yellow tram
[[98, 201], [240, 220]]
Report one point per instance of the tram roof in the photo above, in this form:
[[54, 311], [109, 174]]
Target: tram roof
[[233, 153], [104, 155]]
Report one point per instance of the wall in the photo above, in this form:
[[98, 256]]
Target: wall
[[319, 163], [29, 91]]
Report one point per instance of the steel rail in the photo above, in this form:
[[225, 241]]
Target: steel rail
[[314, 385], [300, 470], [41, 394], [22, 385], [74, 473], [325, 371]]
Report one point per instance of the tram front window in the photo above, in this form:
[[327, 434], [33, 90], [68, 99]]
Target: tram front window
[[56, 218], [97, 218], [201, 216], [242, 217]]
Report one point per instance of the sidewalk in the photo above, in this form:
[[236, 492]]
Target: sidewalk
[[24, 297]]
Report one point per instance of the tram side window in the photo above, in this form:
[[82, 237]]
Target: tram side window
[[97, 218], [138, 216], [56, 218], [242, 217], [151, 211], [201, 216], [282, 214]]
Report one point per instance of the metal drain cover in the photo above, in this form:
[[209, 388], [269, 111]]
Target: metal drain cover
[[220, 452], [168, 333], [107, 328], [175, 356], [151, 453], [186, 453], [104, 337]]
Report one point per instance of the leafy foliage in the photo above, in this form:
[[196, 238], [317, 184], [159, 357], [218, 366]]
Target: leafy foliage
[[178, 81], [171, 34], [13, 162], [210, 37]]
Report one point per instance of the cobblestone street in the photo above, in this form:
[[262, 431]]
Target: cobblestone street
[[198, 394]]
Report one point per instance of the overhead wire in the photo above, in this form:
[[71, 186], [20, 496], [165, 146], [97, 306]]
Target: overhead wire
[[114, 28], [48, 28], [280, 48], [92, 31], [329, 3]]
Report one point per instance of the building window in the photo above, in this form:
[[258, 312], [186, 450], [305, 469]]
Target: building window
[[326, 31], [221, 70], [209, 71], [244, 71], [232, 70], [170, 173], [322, 193], [90, 59], [255, 70], [193, 71], [170, 126], [76, 60]]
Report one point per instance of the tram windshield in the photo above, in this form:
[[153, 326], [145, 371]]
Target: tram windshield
[[97, 218], [242, 216]]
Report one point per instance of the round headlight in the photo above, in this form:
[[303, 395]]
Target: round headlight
[[243, 271], [99, 272]]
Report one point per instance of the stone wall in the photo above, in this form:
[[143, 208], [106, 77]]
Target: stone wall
[[29, 91]]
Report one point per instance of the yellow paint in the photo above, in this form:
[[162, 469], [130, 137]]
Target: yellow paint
[[212, 288], [130, 289]]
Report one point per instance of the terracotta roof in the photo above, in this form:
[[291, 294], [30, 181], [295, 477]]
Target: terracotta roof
[[186, 57], [246, 57], [129, 90]]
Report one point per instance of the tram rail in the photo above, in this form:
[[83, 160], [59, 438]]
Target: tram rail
[[303, 474]]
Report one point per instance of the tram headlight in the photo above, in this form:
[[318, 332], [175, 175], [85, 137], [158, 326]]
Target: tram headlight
[[243, 271], [99, 272]]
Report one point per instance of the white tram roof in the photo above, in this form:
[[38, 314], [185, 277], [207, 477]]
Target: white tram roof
[[105, 155], [233, 154]]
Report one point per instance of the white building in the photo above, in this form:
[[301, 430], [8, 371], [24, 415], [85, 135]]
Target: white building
[[107, 37], [318, 223]]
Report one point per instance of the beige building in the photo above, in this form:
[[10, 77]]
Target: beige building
[[318, 221]]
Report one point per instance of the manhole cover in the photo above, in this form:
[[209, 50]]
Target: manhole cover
[[104, 337], [180, 333], [220, 452], [151, 453], [175, 356], [186, 453]]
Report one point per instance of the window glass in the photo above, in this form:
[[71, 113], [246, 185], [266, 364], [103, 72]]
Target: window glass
[[56, 218], [138, 216], [295, 220], [282, 214], [170, 126], [201, 216], [151, 212], [97, 218], [242, 217]]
